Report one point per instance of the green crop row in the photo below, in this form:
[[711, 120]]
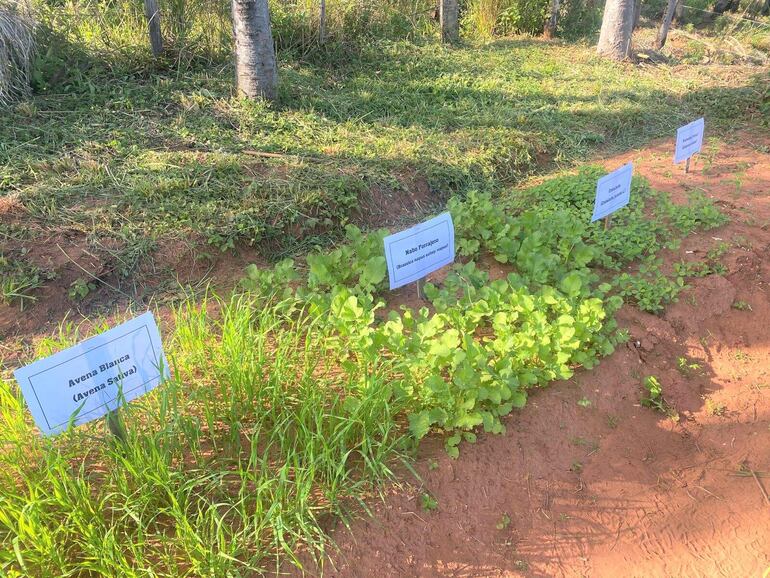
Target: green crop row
[[291, 400], [469, 356]]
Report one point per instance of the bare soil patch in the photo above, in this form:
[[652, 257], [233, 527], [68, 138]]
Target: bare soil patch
[[615, 488]]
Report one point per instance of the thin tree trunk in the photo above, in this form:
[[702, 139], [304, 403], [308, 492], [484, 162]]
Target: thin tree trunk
[[668, 16], [152, 13], [637, 13], [766, 8], [449, 17], [322, 23], [679, 13], [553, 20], [617, 29], [255, 67]]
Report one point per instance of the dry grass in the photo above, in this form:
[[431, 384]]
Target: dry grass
[[17, 49]]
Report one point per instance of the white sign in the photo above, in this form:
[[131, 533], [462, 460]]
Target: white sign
[[416, 252], [689, 140], [87, 381], [613, 191]]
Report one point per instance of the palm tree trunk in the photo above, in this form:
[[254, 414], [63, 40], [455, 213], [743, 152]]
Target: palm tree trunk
[[449, 17], [617, 29], [255, 66]]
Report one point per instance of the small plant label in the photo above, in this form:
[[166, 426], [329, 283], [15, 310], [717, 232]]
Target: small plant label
[[689, 140], [97, 376], [416, 252], [613, 191]]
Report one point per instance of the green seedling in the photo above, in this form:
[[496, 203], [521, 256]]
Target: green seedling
[[80, 288], [687, 367], [428, 503], [504, 522], [653, 398]]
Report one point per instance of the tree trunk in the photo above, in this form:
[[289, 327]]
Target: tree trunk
[[617, 29], [766, 8], [322, 23], [152, 13], [668, 16], [679, 13], [722, 6], [255, 66], [553, 20], [637, 14], [449, 17]]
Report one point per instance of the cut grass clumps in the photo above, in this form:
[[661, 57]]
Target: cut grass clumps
[[19, 278], [295, 398], [17, 49], [141, 156]]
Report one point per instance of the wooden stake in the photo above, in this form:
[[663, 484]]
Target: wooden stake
[[421, 289], [116, 425], [607, 222], [687, 165]]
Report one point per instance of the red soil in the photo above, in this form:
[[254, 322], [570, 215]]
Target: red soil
[[616, 489]]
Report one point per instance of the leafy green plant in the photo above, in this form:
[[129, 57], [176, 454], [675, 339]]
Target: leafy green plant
[[584, 402], [687, 367], [80, 288], [359, 264], [699, 213], [274, 280], [653, 398], [650, 289], [741, 305]]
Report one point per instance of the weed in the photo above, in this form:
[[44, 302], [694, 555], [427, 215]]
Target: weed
[[741, 305], [584, 402], [654, 397], [713, 407], [428, 503], [687, 367], [650, 289], [19, 278], [612, 421], [590, 445], [521, 565], [504, 522], [433, 464], [576, 467], [80, 288]]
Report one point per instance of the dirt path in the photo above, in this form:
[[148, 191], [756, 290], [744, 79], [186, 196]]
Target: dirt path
[[615, 489]]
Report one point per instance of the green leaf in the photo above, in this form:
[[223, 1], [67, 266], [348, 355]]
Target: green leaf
[[571, 284], [419, 424], [374, 271], [518, 399]]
